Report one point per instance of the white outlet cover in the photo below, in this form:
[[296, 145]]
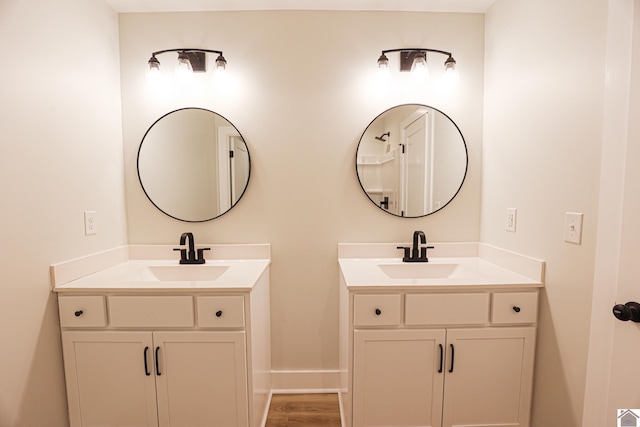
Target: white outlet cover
[[511, 219], [90, 223]]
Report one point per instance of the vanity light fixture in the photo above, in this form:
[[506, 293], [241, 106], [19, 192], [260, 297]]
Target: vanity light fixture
[[189, 60], [415, 60]]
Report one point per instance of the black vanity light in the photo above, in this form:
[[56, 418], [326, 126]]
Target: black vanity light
[[415, 60], [189, 60]]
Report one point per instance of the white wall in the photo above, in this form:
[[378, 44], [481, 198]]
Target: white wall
[[60, 154], [541, 154], [303, 95]]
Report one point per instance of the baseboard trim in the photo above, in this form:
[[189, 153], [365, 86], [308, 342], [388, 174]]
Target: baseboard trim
[[304, 381]]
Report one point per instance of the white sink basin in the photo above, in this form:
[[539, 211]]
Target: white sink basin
[[187, 273], [418, 270]]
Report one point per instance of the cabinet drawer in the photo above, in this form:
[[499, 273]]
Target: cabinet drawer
[[82, 311], [220, 311], [450, 309], [514, 307], [151, 311], [376, 310]]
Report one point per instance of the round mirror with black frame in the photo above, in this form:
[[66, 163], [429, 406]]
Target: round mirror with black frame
[[193, 164], [411, 160]]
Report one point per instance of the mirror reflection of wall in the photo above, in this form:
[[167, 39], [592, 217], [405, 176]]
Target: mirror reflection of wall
[[411, 160], [193, 164]]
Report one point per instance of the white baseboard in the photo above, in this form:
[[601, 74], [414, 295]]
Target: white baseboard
[[305, 381]]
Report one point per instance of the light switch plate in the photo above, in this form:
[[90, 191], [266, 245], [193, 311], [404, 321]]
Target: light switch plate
[[573, 227]]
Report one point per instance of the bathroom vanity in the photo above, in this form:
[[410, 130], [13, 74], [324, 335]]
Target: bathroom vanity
[[449, 342], [148, 342]]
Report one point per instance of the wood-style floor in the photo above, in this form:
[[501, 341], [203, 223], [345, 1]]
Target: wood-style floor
[[298, 410]]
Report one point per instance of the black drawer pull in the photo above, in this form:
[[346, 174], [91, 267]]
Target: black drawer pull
[[378, 312], [146, 365], [516, 309], [452, 356], [441, 358], [78, 313], [219, 313], [157, 362]]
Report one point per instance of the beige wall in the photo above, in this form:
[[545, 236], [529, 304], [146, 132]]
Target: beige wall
[[541, 154], [304, 94], [302, 116], [60, 154]]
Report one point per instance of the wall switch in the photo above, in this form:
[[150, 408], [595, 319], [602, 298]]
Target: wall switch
[[573, 227], [510, 223], [90, 223]]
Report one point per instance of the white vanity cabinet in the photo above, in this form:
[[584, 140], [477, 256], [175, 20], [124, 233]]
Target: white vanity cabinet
[[155, 359], [412, 356]]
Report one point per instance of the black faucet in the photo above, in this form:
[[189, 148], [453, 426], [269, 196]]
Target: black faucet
[[190, 257], [417, 253]]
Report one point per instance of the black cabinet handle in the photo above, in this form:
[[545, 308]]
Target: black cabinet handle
[[146, 365], [452, 357], [516, 309], [378, 312], [157, 363], [219, 313], [78, 313], [441, 358]]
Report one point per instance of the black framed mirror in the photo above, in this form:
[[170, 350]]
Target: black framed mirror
[[193, 164], [412, 160]]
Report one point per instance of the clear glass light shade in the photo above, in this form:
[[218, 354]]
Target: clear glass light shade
[[383, 62], [221, 63], [153, 70], [419, 69], [183, 69]]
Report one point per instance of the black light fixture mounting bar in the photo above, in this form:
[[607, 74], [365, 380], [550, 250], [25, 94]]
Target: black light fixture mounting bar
[[417, 49]]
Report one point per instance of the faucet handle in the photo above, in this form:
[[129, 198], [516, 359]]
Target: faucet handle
[[183, 252], [200, 256], [407, 253], [423, 252]]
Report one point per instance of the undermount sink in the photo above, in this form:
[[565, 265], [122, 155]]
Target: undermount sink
[[418, 270], [187, 273]]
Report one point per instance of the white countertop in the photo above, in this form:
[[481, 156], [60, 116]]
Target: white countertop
[[471, 272], [473, 266], [133, 276], [129, 269]]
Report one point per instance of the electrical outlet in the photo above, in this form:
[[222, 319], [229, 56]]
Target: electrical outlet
[[90, 223], [573, 227], [510, 223]]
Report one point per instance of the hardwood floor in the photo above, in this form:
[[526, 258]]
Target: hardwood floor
[[298, 410]]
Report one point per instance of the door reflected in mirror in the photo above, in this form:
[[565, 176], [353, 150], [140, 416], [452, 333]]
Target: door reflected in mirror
[[411, 160], [193, 164]]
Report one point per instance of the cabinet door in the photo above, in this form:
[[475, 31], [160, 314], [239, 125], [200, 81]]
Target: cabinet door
[[106, 380], [201, 379], [397, 380], [490, 383]]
